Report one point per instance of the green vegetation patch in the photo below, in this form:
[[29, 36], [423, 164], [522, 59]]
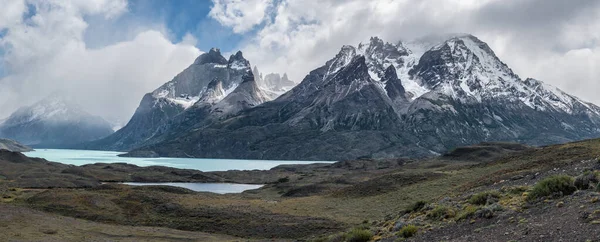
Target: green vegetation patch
[[441, 212], [559, 184], [358, 235], [467, 212], [416, 207], [408, 231], [483, 197]]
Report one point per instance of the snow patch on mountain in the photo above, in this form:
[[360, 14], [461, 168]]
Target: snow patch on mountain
[[238, 65], [246, 95]]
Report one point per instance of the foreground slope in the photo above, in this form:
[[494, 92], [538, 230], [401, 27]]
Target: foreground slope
[[332, 201], [386, 100]]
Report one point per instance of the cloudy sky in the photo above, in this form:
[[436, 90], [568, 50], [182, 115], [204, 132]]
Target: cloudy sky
[[108, 53]]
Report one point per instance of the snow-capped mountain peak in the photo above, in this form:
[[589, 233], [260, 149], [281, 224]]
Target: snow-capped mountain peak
[[238, 62], [55, 107], [464, 67], [458, 65], [388, 100], [52, 122], [343, 58], [380, 55], [247, 95]]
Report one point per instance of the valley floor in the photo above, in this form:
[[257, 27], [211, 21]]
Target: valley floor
[[19, 223], [321, 202]]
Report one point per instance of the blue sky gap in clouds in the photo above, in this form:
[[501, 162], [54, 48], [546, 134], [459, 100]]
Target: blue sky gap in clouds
[[178, 18]]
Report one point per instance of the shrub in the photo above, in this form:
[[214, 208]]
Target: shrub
[[598, 187], [441, 212], [515, 190], [585, 180], [408, 231], [417, 206], [467, 212], [358, 235], [283, 180], [483, 197], [559, 184]]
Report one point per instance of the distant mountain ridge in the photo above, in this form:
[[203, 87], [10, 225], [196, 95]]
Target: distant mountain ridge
[[11, 145], [54, 122], [388, 100]]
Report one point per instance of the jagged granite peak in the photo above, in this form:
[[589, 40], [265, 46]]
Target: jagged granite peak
[[157, 109], [286, 79], [393, 84], [213, 56], [238, 62], [343, 58], [257, 74], [273, 84], [276, 83], [349, 100], [245, 96], [54, 122], [272, 78], [380, 55], [356, 71]]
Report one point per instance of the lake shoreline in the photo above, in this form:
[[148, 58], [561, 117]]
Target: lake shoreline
[[218, 188], [88, 157]]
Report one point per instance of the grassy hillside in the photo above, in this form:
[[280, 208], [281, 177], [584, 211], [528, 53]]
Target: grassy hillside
[[473, 192]]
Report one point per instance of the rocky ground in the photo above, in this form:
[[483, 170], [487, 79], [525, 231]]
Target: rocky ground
[[474, 193], [508, 206]]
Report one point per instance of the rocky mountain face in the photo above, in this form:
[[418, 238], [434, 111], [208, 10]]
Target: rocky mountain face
[[54, 122], [384, 100], [477, 97], [211, 88], [330, 115]]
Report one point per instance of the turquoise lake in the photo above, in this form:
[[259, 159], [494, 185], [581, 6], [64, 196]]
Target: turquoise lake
[[82, 157]]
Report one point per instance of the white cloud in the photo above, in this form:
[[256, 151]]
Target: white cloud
[[552, 40], [47, 52], [305, 34], [10, 12], [241, 15]]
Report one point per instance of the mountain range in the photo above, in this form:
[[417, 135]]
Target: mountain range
[[377, 99], [212, 88], [54, 122]]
